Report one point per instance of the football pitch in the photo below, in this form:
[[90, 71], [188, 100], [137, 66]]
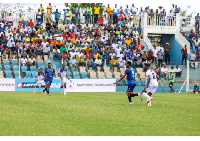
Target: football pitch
[[98, 114]]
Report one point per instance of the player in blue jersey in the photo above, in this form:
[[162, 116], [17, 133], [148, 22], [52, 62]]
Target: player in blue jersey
[[130, 73], [49, 72]]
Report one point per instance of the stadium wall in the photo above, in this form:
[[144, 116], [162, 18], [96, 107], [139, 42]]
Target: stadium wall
[[175, 55], [160, 89]]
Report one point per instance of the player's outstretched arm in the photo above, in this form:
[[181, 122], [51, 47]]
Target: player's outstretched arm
[[120, 79]]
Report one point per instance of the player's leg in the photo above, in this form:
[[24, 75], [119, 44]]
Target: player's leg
[[135, 94], [48, 86], [61, 85], [35, 89], [65, 89], [128, 92]]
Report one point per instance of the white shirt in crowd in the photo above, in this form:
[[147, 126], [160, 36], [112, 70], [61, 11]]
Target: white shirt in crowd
[[39, 15], [122, 63], [23, 60], [46, 49], [31, 60], [177, 70], [44, 44], [164, 70], [158, 49], [98, 61], [118, 50], [72, 54], [111, 55], [56, 51]]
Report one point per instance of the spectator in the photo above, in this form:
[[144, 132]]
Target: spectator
[[115, 14], [191, 36], [138, 63], [151, 17], [42, 11], [10, 19], [90, 63], [23, 61], [157, 71], [76, 11], [49, 12], [184, 54], [81, 60], [178, 71], [150, 55], [144, 56], [31, 61], [134, 13], [82, 11], [196, 89], [197, 19], [46, 50], [122, 63], [164, 71], [167, 54], [56, 53], [48, 26], [63, 48], [96, 13], [39, 16], [64, 56], [98, 62], [88, 13], [38, 51], [31, 23], [160, 57], [73, 61], [109, 12], [57, 14], [114, 62]]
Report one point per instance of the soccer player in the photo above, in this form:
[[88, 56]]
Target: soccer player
[[130, 73], [171, 80], [152, 84], [49, 72], [62, 73], [40, 80]]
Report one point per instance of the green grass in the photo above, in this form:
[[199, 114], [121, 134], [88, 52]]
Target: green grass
[[98, 114]]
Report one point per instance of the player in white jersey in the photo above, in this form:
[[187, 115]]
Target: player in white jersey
[[152, 84], [40, 80], [62, 73]]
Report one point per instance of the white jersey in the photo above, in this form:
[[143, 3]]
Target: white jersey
[[40, 76], [153, 78], [62, 72]]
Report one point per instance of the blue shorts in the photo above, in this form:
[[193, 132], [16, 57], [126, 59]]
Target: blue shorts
[[48, 81], [130, 88]]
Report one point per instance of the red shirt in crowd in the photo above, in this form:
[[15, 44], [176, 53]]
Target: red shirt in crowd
[[184, 51], [64, 54], [52, 41], [72, 35], [31, 23], [20, 25]]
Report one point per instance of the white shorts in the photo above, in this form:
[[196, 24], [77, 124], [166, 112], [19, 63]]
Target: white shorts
[[152, 87], [40, 83], [62, 81]]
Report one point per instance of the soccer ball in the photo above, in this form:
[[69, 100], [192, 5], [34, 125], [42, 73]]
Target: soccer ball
[[196, 92]]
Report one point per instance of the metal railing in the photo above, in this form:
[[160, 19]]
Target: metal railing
[[161, 21]]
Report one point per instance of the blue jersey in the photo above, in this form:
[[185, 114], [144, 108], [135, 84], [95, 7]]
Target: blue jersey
[[130, 72], [48, 73]]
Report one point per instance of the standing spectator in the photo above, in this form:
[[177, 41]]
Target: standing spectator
[[39, 16], [196, 45], [191, 36], [98, 62], [68, 19], [176, 10], [170, 18], [109, 12], [88, 13], [57, 14], [42, 11], [160, 57], [184, 54], [196, 89], [96, 13], [115, 14], [76, 11], [151, 17], [134, 13], [167, 54], [56, 53], [157, 71], [49, 12], [178, 71], [10, 19], [82, 11], [197, 18]]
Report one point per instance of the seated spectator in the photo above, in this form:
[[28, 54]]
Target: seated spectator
[[81, 60], [144, 56], [196, 89], [56, 53], [63, 48], [138, 63], [164, 71], [59, 44], [98, 62], [23, 61], [150, 56], [178, 71], [46, 50], [114, 62], [64, 56], [90, 63], [73, 61], [31, 61], [122, 63], [38, 51], [31, 23]]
